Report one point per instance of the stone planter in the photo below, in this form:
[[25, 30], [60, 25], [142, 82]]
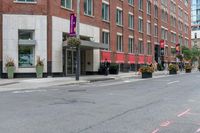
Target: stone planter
[[146, 75], [10, 72], [171, 72], [39, 71], [187, 70]]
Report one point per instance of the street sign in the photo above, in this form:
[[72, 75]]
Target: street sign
[[72, 25], [178, 49]]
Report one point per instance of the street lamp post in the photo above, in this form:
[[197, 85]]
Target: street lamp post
[[136, 62], [78, 36]]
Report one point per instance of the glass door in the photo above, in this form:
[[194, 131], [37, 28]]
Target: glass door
[[71, 62]]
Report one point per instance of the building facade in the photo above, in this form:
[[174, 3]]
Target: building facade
[[195, 19], [124, 32]]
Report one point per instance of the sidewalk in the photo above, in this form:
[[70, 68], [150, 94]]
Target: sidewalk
[[34, 83]]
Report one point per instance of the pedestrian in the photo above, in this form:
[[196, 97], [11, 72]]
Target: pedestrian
[[106, 67]]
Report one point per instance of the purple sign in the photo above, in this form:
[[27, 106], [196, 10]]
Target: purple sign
[[72, 25]]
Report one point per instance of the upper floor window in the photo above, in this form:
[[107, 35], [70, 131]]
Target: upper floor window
[[131, 2], [130, 21], [105, 11], [148, 7], [25, 0], [26, 35], [105, 38], [66, 3], [140, 25], [119, 43], [156, 11], [88, 7], [119, 17], [140, 2]]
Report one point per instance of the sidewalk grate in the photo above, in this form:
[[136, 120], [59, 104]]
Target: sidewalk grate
[[5, 84]]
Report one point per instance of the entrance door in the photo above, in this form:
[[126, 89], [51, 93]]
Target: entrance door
[[71, 62]]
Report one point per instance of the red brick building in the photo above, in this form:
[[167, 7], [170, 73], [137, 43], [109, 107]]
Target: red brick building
[[125, 32]]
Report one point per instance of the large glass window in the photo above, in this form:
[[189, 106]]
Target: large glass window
[[105, 11], [88, 7], [26, 51], [26, 56], [66, 3]]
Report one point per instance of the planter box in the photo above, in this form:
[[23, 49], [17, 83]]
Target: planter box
[[10, 72], [172, 72], [188, 70], [146, 75], [39, 71]]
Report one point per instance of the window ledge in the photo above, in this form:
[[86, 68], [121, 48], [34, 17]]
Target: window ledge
[[132, 29], [91, 16], [107, 21], [67, 8], [119, 25], [118, 52], [21, 2], [131, 4]]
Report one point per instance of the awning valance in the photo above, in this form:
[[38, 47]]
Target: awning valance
[[105, 55], [89, 44], [141, 59], [119, 57], [131, 59]]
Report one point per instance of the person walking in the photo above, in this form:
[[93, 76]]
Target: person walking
[[106, 67]]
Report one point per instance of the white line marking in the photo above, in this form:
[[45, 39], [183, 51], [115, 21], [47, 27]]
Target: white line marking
[[155, 131], [183, 113], [173, 82], [198, 130], [165, 124], [27, 91]]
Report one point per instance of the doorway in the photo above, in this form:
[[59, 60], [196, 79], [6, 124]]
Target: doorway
[[70, 62]]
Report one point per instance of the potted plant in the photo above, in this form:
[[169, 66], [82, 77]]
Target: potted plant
[[73, 42], [39, 67], [188, 68], [173, 68], [114, 69], [146, 71], [10, 66]]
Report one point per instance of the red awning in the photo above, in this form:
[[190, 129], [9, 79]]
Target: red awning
[[149, 59], [119, 57], [105, 55], [131, 59], [141, 59]]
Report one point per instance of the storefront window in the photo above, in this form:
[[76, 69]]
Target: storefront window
[[26, 56]]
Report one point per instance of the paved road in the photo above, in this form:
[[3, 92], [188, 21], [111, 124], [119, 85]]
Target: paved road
[[159, 105]]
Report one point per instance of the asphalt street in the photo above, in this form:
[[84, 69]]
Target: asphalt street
[[158, 105]]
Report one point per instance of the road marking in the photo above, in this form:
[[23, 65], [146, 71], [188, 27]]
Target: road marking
[[27, 91], [173, 82], [183, 113], [198, 131], [155, 131], [165, 124]]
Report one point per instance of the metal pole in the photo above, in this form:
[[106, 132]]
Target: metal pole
[[78, 36]]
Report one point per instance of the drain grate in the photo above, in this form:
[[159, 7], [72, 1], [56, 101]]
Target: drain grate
[[5, 84]]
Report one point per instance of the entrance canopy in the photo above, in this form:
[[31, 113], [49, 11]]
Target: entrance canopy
[[89, 44]]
